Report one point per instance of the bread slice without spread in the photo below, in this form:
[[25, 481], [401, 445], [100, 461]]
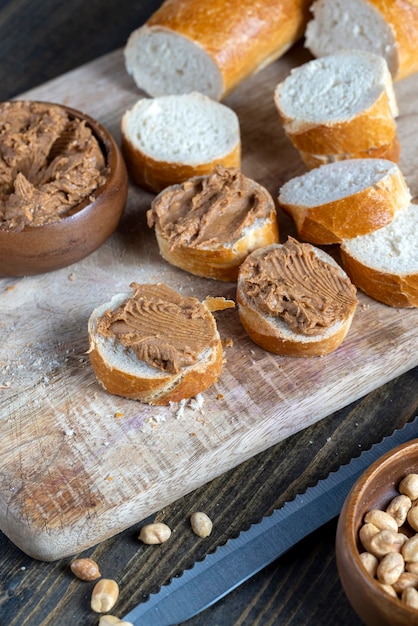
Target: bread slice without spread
[[209, 224], [341, 104], [210, 45], [344, 199], [169, 139], [389, 29], [390, 151], [121, 372], [384, 264], [306, 288]]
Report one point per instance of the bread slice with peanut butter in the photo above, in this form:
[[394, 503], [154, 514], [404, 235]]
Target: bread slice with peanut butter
[[209, 224], [295, 300], [156, 345]]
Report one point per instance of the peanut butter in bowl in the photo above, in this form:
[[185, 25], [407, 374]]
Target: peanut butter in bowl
[[60, 171]]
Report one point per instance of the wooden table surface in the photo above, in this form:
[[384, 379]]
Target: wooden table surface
[[39, 41]]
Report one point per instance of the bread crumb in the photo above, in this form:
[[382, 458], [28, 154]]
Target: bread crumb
[[118, 414], [228, 343], [109, 478]]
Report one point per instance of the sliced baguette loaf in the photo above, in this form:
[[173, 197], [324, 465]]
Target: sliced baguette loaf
[[344, 199], [384, 264], [209, 224], [390, 151], [168, 140], [389, 29], [341, 104], [210, 45], [155, 345], [295, 300]]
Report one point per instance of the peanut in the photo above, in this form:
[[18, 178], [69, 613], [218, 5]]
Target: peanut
[[410, 549], [382, 520], [386, 541], [410, 597], [85, 569], [390, 568], [412, 517], [155, 533], [370, 562], [412, 567], [104, 595], [409, 486], [366, 533], [389, 589], [406, 579], [201, 524], [398, 508]]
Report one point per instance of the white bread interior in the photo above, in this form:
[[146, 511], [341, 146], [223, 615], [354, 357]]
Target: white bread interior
[[389, 29], [343, 103], [211, 46], [120, 372], [384, 264], [344, 199], [169, 139], [274, 334]]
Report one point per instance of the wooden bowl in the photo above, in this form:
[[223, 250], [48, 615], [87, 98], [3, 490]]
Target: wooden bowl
[[36, 250], [374, 490]]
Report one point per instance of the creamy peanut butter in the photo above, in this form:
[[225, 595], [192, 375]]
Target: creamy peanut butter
[[293, 283], [163, 328], [49, 163], [209, 210]]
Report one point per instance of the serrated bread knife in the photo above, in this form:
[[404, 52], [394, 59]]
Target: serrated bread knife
[[240, 558]]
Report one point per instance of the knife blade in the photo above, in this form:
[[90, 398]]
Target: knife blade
[[242, 557]]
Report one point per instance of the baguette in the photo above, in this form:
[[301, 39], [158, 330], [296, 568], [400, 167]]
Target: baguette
[[155, 345], [390, 151], [209, 224], [342, 104], [211, 46], [384, 264], [295, 300], [345, 199], [170, 139], [389, 29]]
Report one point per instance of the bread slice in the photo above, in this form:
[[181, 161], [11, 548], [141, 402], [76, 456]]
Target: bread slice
[[389, 29], [209, 224], [211, 46], [384, 264], [344, 199], [340, 104], [168, 140], [160, 364], [295, 300], [390, 151]]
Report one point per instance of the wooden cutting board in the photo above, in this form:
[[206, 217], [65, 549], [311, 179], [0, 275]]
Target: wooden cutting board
[[79, 465]]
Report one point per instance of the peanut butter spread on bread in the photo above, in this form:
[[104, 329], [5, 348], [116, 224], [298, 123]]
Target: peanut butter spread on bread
[[292, 282], [208, 210], [49, 163], [164, 329]]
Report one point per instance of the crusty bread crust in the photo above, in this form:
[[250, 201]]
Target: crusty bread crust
[[390, 151], [261, 331], [356, 214], [274, 338], [155, 175], [221, 262], [396, 290], [403, 16], [155, 389], [241, 37], [371, 128]]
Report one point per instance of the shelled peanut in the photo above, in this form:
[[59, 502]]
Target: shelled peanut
[[390, 540]]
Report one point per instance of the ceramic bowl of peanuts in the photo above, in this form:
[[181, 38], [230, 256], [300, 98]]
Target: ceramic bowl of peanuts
[[377, 540]]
